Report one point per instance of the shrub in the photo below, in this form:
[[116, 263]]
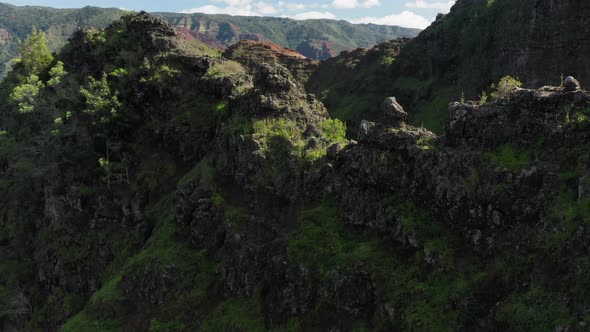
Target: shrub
[[483, 98], [334, 130], [226, 69], [284, 128], [503, 88]]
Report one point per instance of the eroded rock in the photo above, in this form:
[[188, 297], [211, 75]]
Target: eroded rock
[[393, 112]]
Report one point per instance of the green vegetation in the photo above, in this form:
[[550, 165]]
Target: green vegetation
[[510, 158], [433, 115], [231, 70], [242, 314], [353, 85], [334, 130], [82, 323], [193, 271], [504, 87], [35, 54], [226, 69], [282, 141], [535, 310], [579, 118], [324, 244], [25, 95]]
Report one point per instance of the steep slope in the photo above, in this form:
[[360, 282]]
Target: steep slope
[[353, 84], [481, 41], [148, 184], [462, 53]]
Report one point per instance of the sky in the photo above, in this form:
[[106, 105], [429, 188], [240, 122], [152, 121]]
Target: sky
[[407, 13]]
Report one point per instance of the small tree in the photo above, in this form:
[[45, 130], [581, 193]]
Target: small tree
[[35, 54], [102, 106]]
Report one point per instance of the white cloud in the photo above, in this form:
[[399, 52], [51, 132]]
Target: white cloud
[[235, 7], [314, 15], [234, 3], [406, 19], [427, 4], [265, 8], [292, 6], [230, 10], [347, 4]]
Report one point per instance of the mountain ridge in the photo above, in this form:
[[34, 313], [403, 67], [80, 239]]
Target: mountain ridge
[[16, 22]]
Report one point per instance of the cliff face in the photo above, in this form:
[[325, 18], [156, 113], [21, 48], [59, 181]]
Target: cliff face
[[555, 38], [479, 42]]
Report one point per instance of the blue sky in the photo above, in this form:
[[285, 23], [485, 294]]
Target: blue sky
[[409, 13]]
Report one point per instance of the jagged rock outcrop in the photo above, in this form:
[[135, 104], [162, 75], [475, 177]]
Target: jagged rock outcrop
[[439, 174], [255, 53], [196, 215], [394, 113]]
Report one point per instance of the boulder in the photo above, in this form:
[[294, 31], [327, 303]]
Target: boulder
[[393, 112], [333, 150], [571, 84], [289, 291], [352, 291], [365, 129]]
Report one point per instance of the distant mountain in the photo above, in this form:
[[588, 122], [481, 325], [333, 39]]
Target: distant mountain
[[316, 39]]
